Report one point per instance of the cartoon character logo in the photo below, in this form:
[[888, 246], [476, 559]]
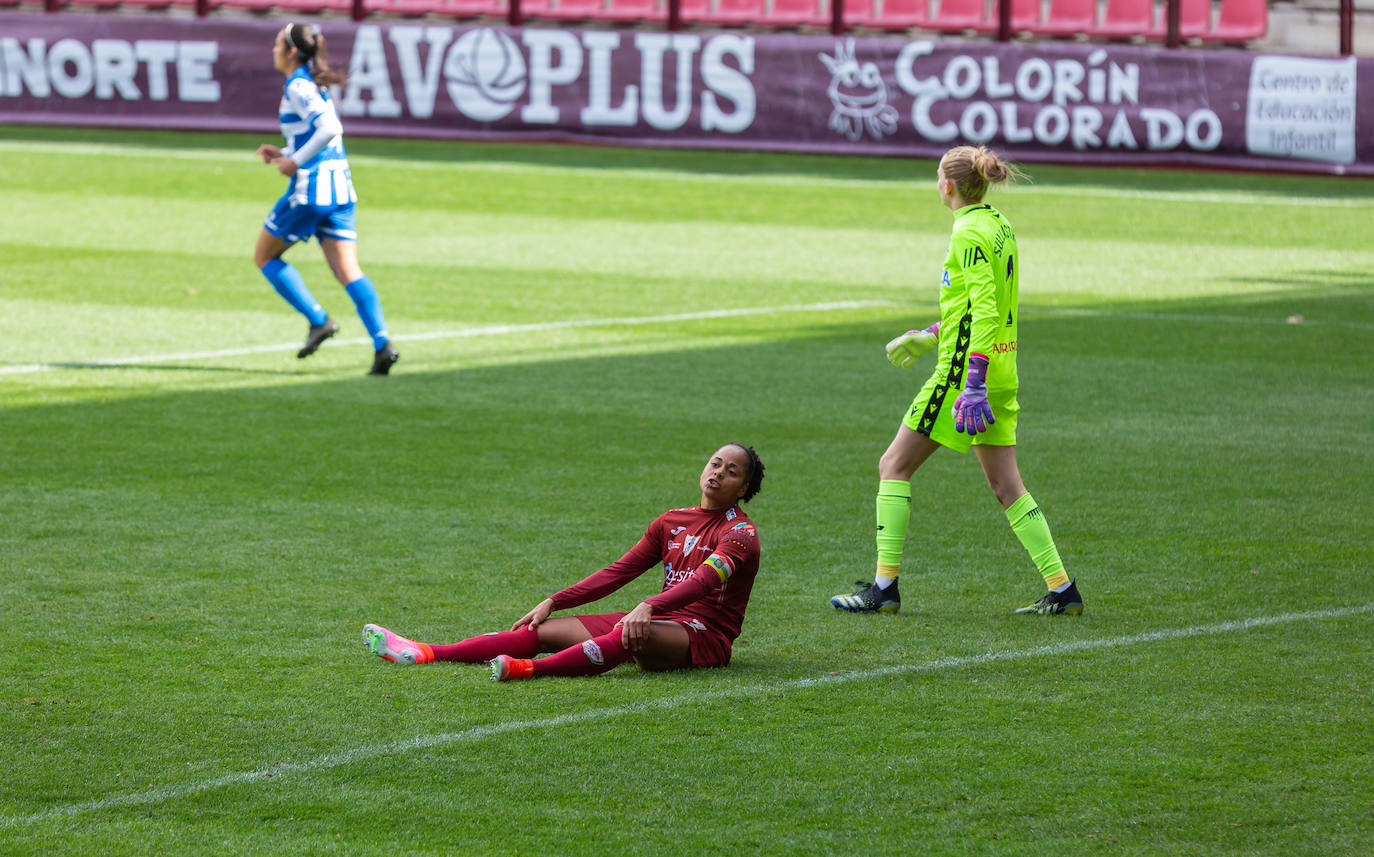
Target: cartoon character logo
[[858, 95], [486, 74]]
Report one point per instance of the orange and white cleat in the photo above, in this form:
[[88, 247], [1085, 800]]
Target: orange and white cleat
[[394, 648], [506, 668]]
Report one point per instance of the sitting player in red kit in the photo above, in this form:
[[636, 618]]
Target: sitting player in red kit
[[710, 555]]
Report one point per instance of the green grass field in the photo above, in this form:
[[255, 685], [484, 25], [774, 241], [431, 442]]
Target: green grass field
[[197, 525]]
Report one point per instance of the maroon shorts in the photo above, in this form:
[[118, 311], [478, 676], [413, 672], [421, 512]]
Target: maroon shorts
[[705, 648]]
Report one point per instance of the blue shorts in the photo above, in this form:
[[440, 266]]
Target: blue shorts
[[298, 222]]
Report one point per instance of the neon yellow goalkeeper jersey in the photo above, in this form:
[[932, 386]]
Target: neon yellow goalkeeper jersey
[[978, 297]]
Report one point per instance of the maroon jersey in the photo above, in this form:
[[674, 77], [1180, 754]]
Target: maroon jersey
[[710, 558]]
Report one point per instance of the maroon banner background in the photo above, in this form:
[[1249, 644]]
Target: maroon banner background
[[1042, 101]]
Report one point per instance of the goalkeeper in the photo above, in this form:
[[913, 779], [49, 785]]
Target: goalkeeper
[[970, 398]]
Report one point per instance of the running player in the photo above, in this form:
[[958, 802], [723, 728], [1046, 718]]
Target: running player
[[319, 198], [970, 399], [710, 555]]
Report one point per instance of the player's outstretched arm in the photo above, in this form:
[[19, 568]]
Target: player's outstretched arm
[[535, 617], [905, 350]]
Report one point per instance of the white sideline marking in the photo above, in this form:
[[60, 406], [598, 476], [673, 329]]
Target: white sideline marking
[[476, 733], [464, 333], [238, 156]]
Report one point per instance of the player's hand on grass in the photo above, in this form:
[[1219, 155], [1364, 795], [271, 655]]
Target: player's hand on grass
[[971, 410], [535, 617], [905, 350], [634, 627]]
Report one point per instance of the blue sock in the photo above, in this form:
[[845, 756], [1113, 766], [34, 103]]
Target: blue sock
[[364, 296], [289, 284]]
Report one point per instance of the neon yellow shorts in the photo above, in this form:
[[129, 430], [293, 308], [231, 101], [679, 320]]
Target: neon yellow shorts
[[932, 414]]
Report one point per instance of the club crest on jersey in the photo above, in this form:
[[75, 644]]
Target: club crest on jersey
[[593, 652], [688, 543]]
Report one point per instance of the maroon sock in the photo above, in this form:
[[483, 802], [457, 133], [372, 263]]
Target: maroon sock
[[593, 657], [474, 650]]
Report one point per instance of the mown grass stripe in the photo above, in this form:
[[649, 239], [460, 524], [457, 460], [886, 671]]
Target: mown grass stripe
[[462, 333], [477, 733]]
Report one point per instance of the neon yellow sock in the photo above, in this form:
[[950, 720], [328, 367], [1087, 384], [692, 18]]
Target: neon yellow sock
[[894, 510], [1030, 527]]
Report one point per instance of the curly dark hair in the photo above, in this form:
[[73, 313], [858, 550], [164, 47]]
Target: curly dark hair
[[755, 472]]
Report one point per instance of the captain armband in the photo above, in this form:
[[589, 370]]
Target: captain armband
[[721, 566]]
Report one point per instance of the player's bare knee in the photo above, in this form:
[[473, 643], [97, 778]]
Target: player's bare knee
[[893, 465]]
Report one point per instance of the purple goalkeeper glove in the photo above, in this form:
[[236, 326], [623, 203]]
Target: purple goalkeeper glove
[[905, 350], [971, 411]]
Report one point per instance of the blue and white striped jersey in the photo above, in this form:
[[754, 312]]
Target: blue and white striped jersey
[[314, 140]]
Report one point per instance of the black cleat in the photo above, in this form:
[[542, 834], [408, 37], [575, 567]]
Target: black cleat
[[869, 599], [381, 362], [316, 337], [1068, 602]]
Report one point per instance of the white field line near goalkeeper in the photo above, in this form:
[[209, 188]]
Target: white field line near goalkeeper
[[479, 733], [538, 327]]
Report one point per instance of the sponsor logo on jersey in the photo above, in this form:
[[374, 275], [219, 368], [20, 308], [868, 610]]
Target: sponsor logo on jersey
[[730, 515], [673, 576], [744, 527], [593, 652]]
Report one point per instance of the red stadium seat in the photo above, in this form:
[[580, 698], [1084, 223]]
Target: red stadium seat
[[1194, 19], [156, 4], [691, 11], [955, 16], [1025, 14], [1068, 18], [443, 8], [1123, 19], [798, 13], [636, 11], [252, 5], [307, 7], [734, 12], [563, 10], [1239, 21], [896, 15]]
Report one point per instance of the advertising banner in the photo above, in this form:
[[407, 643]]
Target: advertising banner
[[1036, 101]]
